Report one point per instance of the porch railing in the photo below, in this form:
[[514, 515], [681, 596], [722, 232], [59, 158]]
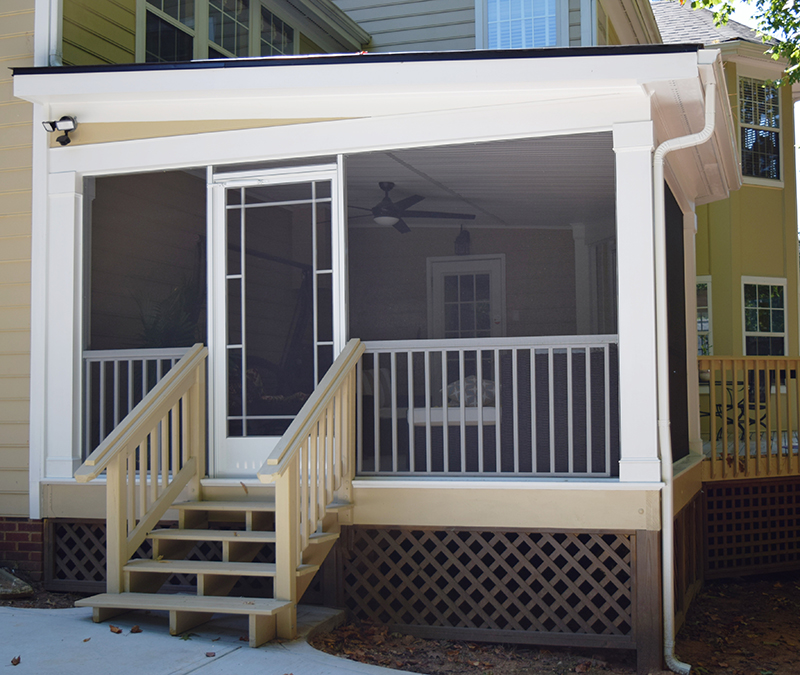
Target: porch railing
[[749, 415], [149, 458], [312, 467], [115, 380], [543, 406]]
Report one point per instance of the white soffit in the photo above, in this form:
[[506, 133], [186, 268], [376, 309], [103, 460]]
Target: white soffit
[[348, 88]]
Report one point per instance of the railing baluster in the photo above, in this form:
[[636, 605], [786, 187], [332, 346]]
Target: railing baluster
[[607, 375], [327, 448], [445, 415], [498, 413], [534, 458], [515, 407], [462, 409], [712, 417], [116, 393], [551, 406], [87, 409], [376, 408], [102, 389], [141, 456], [479, 376], [588, 430], [570, 440], [360, 421], [308, 488], [428, 435], [412, 466], [164, 468], [393, 389]]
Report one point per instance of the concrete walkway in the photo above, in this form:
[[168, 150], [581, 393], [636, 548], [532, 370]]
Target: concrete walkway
[[66, 641]]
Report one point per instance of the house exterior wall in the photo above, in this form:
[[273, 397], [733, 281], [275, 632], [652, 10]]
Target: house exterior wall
[[752, 233], [16, 49], [413, 25], [98, 31]]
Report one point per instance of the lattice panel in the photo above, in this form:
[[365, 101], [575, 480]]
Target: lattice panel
[[77, 560], [752, 526], [522, 581]]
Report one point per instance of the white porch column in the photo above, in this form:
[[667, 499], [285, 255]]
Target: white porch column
[[633, 145], [62, 332], [690, 283]]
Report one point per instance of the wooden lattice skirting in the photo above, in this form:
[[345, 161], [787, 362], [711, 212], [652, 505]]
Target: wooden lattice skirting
[[751, 526], [536, 587]]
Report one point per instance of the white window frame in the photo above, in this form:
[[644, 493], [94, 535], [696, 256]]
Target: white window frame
[[200, 38], [755, 180], [706, 279], [482, 24], [771, 281], [495, 264]]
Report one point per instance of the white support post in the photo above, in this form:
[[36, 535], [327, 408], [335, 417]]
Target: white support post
[[692, 374], [633, 146], [63, 327]]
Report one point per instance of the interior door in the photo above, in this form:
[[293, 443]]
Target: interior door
[[275, 281]]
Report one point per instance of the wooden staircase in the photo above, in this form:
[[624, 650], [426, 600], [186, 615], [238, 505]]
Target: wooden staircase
[[155, 457], [249, 528]]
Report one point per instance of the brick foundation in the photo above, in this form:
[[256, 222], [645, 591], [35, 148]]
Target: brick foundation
[[21, 546]]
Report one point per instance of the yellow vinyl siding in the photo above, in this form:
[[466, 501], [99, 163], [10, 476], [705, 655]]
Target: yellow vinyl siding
[[99, 31], [752, 233], [16, 49]]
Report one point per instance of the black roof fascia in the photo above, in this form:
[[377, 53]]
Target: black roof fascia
[[369, 57]]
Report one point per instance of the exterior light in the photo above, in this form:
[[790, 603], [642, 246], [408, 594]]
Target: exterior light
[[65, 124]]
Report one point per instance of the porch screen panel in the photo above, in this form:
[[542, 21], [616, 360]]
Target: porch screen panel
[[279, 302]]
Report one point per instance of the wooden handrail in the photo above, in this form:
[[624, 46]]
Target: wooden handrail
[[282, 454], [171, 387], [156, 452]]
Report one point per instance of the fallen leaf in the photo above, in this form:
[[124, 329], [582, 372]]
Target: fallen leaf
[[136, 629], [115, 629], [246, 491], [216, 639], [15, 661], [211, 654], [87, 639], [583, 667], [243, 638], [188, 636]]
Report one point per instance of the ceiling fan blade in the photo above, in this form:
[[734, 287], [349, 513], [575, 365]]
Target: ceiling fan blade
[[438, 214], [401, 226], [408, 202], [362, 208]]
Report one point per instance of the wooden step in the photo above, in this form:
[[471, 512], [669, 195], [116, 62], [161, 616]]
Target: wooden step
[[188, 611], [194, 603], [242, 569], [262, 505], [255, 536]]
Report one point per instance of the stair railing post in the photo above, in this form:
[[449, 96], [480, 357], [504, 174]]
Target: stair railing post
[[287, 534], [197, 426], [117, 523]]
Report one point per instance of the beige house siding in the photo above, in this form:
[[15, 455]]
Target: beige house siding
[[99, 31], [16, 49], [415, 25]]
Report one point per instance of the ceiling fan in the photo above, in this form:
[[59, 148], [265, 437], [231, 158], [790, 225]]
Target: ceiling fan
[[387, 212]]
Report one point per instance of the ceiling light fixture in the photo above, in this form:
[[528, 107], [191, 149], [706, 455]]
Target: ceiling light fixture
[[386, 220], [65, 124]]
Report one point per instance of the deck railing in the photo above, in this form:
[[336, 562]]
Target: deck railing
[[544, 406], [115, 380], [749, 414], [312, 467], [149, 458]]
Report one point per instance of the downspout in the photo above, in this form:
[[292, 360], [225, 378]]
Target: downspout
[[662, 366]]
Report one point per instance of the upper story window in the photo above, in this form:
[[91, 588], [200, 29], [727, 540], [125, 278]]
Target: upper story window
[[704, 316], [764, 316], [181, 30], [759, 121], [515, 24]]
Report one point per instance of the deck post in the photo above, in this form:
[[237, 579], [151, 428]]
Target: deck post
[[116, 519], [287, 532]]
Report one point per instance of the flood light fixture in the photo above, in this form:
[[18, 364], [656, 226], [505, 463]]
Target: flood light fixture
[[65, 124]]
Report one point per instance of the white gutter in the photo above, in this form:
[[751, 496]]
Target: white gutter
[[662, 365]]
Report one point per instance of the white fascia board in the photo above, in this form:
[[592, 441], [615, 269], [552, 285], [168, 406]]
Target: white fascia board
[[341, 89], [476, 124]]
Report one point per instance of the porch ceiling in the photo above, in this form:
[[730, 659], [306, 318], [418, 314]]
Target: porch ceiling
[[544, 182]]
